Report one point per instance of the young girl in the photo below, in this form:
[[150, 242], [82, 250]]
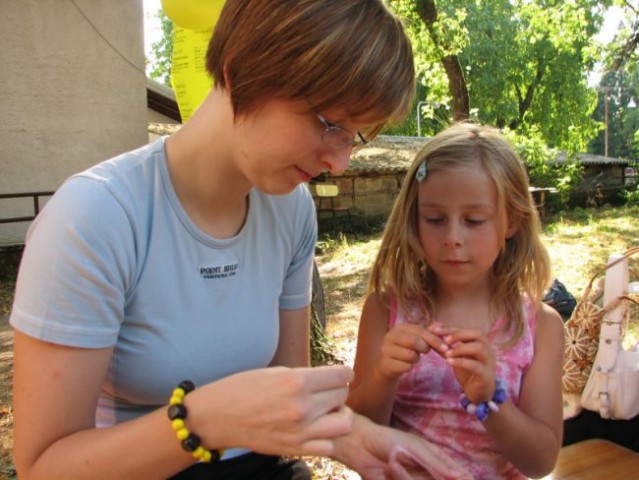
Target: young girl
[[454, 342]]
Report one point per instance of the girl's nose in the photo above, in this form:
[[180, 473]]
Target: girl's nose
[[453, 237], [336, 161]]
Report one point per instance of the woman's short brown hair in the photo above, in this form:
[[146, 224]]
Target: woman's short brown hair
[[352, 54]]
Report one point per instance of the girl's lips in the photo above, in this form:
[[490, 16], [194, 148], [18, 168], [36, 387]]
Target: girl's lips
[[454, 263]]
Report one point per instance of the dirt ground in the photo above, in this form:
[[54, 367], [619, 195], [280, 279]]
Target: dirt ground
[[6, 417]]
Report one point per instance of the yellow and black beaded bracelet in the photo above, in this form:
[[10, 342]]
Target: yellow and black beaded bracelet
[[177, 414]]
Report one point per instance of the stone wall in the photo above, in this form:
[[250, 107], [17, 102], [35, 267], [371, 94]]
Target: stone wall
[[374, 176]]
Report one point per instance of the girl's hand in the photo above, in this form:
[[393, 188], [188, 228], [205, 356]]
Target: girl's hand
[[402, 346], [472, 358], [382, 453]]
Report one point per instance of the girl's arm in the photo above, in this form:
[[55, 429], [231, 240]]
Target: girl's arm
[[273, 411], [382, 356], [371, 394], [530, 436]]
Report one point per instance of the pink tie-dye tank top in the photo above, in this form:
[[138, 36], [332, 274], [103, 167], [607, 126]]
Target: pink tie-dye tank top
[[427, 403]]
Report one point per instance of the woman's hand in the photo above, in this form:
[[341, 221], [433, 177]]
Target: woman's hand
[[472, 358], [277, 410], [380, 453], [402, 346]]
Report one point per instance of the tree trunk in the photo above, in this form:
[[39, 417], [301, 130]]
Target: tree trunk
[[457, 87], [322, 350]]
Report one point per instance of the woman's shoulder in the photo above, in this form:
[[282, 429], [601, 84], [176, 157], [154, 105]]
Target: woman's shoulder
[[130, 170], [129, 182]]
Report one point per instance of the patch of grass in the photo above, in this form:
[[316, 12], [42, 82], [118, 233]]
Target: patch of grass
[[580, 245], [6, 296]]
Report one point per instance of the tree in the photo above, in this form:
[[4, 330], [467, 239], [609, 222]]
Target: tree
[[617, 109], [624, 49], [161, 52], [618, 99], [520, 64]]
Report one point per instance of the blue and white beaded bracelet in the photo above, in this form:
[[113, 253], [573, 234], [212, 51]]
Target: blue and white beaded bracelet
[[482, 409]]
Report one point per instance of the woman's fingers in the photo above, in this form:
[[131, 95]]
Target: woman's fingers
[[326, 377], [320, 434], [277, 410]]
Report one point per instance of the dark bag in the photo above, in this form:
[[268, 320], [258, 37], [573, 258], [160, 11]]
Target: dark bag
[[559, 298]]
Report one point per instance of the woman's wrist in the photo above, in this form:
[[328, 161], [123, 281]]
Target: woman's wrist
[[190, 441]]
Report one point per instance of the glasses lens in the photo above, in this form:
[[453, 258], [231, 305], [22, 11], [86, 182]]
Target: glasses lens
[[336, 137]]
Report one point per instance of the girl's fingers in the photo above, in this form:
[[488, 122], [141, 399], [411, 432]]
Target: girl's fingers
[[464, 335], [407, 337], [427, 338], [477, 350], [468, 364], [398, 472]]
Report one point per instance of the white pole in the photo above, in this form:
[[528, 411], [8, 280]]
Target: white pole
[[616, 284]]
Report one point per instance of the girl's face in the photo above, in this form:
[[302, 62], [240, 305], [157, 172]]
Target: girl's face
[[458, 223], [280, 145]]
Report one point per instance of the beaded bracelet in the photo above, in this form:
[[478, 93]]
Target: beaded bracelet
[[177, 414], [482, 409]]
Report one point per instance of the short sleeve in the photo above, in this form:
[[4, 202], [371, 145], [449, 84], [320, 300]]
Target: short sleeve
[[77, 265], [297, 288]]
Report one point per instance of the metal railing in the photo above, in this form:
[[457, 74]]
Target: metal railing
[[36, 204]]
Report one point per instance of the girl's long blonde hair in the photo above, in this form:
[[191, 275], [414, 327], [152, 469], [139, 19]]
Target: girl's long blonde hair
[[523, 265]]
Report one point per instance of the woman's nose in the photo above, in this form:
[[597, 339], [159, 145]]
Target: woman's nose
[[336, 161]]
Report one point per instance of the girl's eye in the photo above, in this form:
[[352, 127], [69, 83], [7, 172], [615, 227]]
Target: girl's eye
[[475, 221], [434, 220]]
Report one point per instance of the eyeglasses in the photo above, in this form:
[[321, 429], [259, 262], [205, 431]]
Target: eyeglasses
[[337, 137]]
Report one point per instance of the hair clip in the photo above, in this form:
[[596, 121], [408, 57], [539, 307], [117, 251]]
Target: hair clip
[[421, 171]]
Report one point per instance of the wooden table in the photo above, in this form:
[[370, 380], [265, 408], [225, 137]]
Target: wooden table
[[539, 197], [595, 459]]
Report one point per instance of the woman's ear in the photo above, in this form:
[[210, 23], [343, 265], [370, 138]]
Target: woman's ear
[[227, 77], [510, 230]]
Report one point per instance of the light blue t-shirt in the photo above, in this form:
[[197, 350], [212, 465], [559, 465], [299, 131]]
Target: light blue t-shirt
[[113, 260]]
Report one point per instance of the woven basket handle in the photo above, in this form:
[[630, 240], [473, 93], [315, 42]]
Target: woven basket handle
[[617, 301], [627, 254]]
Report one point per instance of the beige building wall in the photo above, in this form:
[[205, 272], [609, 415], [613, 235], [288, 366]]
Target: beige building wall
[[72, 92], [157, 117]]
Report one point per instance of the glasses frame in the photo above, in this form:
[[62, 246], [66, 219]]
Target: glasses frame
[[333, 127]]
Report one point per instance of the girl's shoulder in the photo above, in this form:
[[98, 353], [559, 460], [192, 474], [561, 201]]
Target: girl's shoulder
[[548, 322], [542, 320]]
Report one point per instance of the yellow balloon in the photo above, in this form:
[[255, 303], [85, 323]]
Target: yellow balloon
[[196, 15]]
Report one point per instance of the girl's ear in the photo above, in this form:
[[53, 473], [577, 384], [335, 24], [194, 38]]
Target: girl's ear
[[510, 230]]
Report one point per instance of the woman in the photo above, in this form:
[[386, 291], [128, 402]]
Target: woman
[[190, 259]]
